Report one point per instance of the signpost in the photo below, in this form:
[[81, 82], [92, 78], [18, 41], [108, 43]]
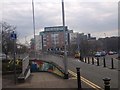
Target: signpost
[[14, 37]]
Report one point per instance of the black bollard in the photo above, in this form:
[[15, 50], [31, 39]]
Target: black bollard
[[93, 60], [85, 59], [78, 78], [97, 61], [112, 64], [106, 83], [104, 63], [88, 60]]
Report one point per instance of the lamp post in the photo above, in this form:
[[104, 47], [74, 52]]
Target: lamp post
[[34, 28], [105, 42], [65, 52]]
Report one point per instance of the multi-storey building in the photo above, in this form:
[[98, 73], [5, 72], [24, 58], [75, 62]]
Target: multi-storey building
[[53, 38], [38, 42]]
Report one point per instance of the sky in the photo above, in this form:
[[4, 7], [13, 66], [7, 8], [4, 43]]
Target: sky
[[98, 17]]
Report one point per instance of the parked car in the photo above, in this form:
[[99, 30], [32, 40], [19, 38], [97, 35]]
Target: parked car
[[110, 53], [114, 52], [103, 53], [97, 54]]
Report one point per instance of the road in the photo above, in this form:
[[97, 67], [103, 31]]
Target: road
[[92, 73]]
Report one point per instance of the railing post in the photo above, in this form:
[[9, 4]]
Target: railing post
[[85, 59], [112, 64], [104, 63], [88, 60], [78, 79], [106, 83], [92, 60], [97, 61]]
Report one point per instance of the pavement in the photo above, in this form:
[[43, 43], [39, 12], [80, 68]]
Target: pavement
[[41, 80]]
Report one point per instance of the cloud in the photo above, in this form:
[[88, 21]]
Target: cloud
[[87, 17]]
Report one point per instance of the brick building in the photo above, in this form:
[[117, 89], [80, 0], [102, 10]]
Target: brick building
[[53, 38]]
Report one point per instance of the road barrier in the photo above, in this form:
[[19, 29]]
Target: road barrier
[[104, 63], [106, 83], [88, 60], [85, 59], [92, 60], [79, 79], [97, 61], [112, 64]]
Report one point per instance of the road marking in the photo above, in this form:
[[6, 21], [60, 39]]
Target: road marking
[[96, 87]]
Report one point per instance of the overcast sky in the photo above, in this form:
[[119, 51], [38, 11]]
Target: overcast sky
[[91, 16]]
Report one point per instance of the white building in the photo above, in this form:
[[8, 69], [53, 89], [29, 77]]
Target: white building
[[73, 38]]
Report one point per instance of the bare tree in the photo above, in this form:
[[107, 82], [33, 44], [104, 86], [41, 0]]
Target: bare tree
[[7, 43]]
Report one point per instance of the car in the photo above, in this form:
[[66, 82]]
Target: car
[[97, 54], [103, 53], [114, 52], [110, 53]]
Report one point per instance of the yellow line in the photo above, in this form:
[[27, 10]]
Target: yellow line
[[96, 87]]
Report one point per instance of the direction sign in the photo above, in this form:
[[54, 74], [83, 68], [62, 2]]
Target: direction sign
[[13, 35]]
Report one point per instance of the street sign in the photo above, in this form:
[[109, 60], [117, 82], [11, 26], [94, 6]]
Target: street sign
[[13, 35]]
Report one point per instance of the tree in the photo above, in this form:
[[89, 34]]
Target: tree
[[7, 42]]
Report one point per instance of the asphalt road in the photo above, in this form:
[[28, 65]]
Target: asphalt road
[[90, 72]]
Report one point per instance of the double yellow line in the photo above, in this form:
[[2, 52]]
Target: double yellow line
[[91, 84]]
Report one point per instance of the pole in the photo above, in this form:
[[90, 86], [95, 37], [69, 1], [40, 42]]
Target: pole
[[112, 64], [14, 60], [97, 61], [78, 78], [65, 53], [85, 59], [88, 60], [93, 60], [34, 28], [104, 62]]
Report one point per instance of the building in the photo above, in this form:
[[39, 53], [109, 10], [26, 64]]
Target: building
[[53, 38], [38, 43], [75, 38], [91, 38]]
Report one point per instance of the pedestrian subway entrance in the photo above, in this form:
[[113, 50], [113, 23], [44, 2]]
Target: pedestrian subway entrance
[[44, 66]]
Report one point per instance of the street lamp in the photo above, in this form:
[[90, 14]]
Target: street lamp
[[65, 52], [34, 27], [105, 42]]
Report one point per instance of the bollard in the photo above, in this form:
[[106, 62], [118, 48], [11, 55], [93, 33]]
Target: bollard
[[104, 63], [106, 83], [81, 58], [112, 64], [92, 60], [88, 60], [78, 78], [97, 61], [85, 59]]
